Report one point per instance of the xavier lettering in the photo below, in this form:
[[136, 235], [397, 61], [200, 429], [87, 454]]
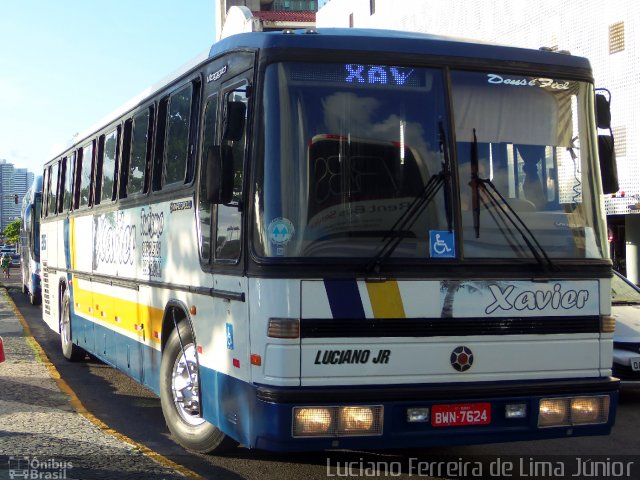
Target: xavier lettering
[[555, 298]]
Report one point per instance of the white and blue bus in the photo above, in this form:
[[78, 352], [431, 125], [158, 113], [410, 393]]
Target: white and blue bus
[[30, 241], [344, 239]]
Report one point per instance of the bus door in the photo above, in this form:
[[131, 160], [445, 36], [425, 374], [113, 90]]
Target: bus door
[[225, 346]]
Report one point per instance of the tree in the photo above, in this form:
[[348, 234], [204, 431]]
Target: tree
[[12, 231]]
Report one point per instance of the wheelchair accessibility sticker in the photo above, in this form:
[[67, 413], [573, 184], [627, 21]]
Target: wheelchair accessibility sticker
[[442, 244], [229, 336]]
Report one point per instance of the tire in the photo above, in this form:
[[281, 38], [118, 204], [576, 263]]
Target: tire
[[189, 429], [70, 350], [34, 299]]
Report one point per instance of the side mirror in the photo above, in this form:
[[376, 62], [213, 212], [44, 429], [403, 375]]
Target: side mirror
[[603, 112], [606, 147], [234, 123], [219, 174], [608, 165]]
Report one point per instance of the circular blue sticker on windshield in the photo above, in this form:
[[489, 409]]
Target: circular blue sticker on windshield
[[280, 231]]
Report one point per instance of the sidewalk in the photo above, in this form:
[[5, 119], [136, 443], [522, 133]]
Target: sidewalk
[[41, 433]]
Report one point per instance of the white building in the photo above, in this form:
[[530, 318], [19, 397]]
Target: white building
[[13, 181], [608, 33]]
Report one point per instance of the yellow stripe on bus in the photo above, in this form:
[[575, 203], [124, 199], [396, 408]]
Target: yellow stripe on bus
[[386, 301], [138, 319]]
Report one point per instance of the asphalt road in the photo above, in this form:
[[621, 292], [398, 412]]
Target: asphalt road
[[135, 412]]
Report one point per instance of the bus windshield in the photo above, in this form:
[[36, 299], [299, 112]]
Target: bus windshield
[[529, 137], [349, 147]]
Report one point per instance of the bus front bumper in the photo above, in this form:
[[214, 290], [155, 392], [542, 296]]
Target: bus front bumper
[[422, 416]]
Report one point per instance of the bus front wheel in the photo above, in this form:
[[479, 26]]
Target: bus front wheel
[[180, 398]]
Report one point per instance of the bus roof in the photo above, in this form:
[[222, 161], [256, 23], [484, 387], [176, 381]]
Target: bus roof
[[353, 39], [394, 41]]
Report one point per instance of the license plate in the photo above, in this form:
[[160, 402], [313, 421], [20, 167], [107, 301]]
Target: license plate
[[635, 364], [461, 414]]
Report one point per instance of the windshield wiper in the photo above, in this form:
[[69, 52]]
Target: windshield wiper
[[475, 185], [405, 221], [478, 185]]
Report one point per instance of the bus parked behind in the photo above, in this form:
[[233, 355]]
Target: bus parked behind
[[30, 241]]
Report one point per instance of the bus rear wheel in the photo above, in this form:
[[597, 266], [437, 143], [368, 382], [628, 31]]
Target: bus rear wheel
[[180, 399], [70, 350], [34, 299]]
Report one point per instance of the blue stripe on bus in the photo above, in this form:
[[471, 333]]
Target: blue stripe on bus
[[67, 247], [344, 298], [137, 360]]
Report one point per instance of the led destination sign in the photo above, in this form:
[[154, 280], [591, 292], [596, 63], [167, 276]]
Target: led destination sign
[[376, 74], [360, 74]]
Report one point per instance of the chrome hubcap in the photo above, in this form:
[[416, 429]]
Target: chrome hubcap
[[185, 385]]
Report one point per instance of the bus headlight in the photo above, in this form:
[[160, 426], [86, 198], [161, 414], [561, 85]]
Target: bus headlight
[[312, 421], [338, 421], [356, 419], [559, 412], [554, 412], [589, 410]]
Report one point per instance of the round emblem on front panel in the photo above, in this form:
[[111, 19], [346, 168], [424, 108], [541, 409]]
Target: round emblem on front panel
[[462, 358]]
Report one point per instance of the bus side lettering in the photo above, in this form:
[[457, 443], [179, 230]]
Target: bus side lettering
[[340, 357]]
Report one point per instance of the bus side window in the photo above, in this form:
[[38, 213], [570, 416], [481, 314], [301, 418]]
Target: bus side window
[[98, 176], [52, 208], [76, 179], [229, 219], [107, 170], [62, 182], [158, 153], [45, 191], [136, 154], [205, 209], [125, 159], [85, 189], [70, 164], [177, 144]]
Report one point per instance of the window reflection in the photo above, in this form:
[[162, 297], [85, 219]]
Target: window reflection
[[205, 208], [177, 149], [138, 158], [109, 166], [347, 150], [229, 233]]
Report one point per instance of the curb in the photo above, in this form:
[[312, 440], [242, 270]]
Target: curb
[[77, 405]]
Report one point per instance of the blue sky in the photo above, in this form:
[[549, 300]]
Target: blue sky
[[65, 64]]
